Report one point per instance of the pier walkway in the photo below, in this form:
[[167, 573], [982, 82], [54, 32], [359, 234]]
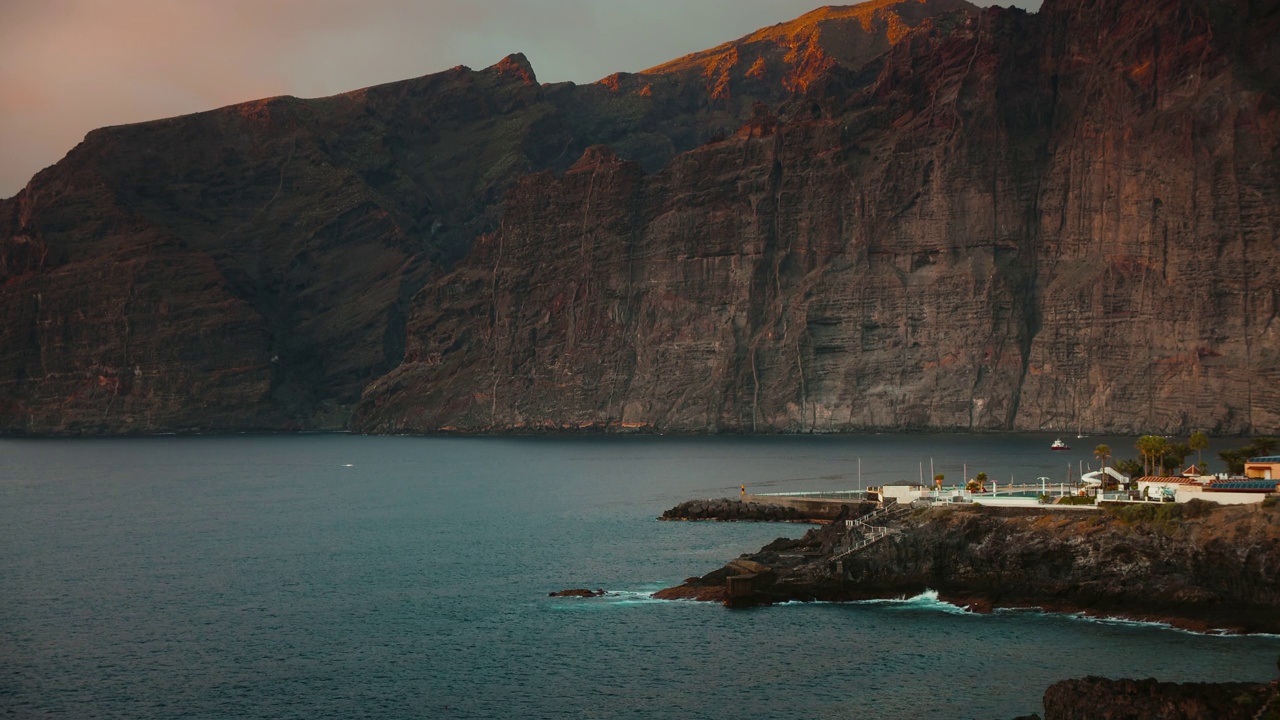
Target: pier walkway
[[817, 505]]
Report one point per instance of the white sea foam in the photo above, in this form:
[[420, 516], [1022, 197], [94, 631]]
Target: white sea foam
[[1132, 622], [613, 598], [629, 597], [927, 600], [1218, 632]]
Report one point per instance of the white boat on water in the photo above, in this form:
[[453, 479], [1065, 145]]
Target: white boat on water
[[1059, 445]]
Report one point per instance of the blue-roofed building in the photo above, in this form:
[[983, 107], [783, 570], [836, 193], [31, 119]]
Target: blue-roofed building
[[1245, 485], [1266, 467]]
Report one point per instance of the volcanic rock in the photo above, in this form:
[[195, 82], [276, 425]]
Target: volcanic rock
[[579, 592]]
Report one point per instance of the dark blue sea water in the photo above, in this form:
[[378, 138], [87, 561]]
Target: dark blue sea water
[[348, 577]]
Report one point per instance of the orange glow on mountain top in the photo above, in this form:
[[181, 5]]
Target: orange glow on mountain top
[[796, 52]]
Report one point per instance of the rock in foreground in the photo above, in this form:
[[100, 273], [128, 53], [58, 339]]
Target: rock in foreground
[[1095, 698]]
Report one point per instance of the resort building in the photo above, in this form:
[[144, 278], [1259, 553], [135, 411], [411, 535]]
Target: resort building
[[1263, 468], [1238, 491], [1166, 488]]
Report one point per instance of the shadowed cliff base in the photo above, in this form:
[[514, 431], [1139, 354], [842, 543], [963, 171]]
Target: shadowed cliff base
[[901, 215]]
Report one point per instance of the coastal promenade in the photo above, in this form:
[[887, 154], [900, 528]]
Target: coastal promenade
[[828, 503]]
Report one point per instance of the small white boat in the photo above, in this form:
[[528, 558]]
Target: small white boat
[[1059, 445]]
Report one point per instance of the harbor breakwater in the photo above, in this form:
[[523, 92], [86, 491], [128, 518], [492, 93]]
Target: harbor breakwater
[[753, 508]]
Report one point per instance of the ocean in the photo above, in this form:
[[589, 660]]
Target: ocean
[[337, 576]]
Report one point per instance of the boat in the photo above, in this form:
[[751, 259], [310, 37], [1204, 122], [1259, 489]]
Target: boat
[[1059, 445]]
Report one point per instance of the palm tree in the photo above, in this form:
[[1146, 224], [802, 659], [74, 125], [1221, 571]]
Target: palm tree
[[1198, 442], [1152, 448], [1102, 452], [1157, 455]]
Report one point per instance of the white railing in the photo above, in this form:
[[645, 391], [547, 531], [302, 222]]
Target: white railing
[[873, 533], [819, 494]]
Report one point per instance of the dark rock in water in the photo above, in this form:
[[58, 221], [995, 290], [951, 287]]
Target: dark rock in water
[[1095, 698], [579, 592]]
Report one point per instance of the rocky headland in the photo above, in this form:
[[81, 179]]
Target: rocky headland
[[1198, 566], [901, 214]]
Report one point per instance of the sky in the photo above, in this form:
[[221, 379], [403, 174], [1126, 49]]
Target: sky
[[69, 66]]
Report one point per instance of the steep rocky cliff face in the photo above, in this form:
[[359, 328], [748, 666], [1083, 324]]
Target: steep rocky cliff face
[[253, 267], [248, 267], [1004, 221], [1158, 214], [899, 215]]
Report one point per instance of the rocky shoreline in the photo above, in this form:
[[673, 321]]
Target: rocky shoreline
[[1213, 569]]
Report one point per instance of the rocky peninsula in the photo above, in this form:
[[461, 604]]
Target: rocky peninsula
[[1197, 566]]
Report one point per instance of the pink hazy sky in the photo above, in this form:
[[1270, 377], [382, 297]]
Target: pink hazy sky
[[69, 66]]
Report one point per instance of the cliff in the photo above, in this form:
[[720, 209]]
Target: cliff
[[1197, 566], [1005, 221], [248, 267], [893, 215]]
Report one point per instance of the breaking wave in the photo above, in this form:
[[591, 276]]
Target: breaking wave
[[616, 598], [927, 600]]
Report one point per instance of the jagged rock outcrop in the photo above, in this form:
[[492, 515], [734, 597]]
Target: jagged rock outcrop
[[896, 215], [1213, 567]]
